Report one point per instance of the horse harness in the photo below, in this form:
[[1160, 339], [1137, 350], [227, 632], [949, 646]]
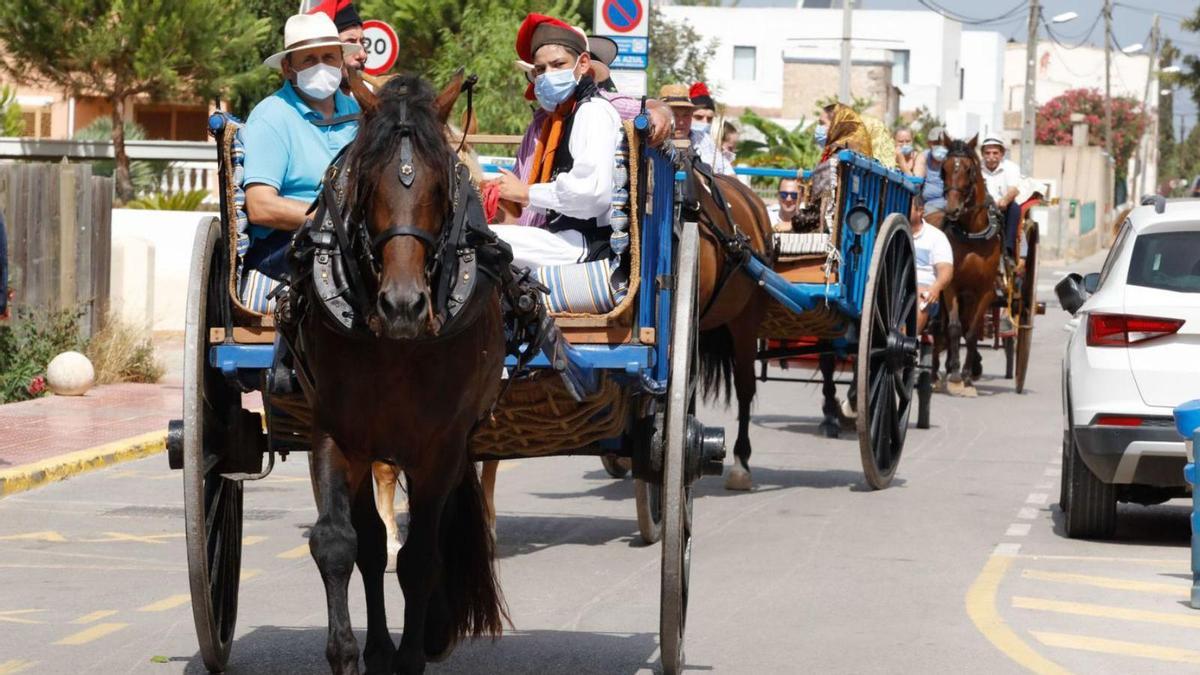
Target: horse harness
[[954, 226]]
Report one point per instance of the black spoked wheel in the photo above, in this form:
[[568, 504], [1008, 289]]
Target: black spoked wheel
[[887, 352], [676, 492], [212, 504], [924, 385], [1028, 307]]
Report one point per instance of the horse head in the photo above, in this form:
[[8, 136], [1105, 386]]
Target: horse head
[[960, 177], [400, 182]]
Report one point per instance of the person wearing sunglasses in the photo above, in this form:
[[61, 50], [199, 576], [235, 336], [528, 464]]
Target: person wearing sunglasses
[[784, 213]]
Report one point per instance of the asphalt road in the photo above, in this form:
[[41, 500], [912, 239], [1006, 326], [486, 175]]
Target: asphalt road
[[960, 565]]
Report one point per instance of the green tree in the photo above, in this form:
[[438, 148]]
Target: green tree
[[780, 147], [120, 49], [145, 175], [253, 81], [12, 123], [678, 53]]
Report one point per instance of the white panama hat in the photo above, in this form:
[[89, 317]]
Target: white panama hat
[[305, 31]]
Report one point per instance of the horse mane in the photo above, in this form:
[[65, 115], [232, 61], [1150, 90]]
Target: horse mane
[[405, 101], [960, 148]]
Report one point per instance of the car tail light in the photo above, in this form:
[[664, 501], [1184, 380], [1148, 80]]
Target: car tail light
[[1122, 330], [1118, 421]]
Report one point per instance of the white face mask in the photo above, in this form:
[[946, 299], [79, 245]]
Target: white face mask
[[320, 81]]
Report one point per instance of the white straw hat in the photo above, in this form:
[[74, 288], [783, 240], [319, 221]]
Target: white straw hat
[[305, 31]]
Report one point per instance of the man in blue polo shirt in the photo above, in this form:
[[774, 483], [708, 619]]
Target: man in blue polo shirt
[[292, 135]]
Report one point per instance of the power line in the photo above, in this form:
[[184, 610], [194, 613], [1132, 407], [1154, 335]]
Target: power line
[[1143, 10], [1055, 38], [973, 21]]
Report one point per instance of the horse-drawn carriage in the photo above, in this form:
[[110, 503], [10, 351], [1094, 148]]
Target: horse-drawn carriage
[[639, 355], [845, 289]]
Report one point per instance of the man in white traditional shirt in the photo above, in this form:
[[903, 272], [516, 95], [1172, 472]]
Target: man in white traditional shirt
[[571, 171], [934, 260], [1002, 177]]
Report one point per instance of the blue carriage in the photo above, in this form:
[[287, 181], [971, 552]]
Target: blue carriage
[[848, 285], [631, 322]]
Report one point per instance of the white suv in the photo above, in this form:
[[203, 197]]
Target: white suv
[[1133, 356]]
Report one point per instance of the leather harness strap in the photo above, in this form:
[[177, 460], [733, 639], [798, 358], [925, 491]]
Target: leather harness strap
[[382, 238]]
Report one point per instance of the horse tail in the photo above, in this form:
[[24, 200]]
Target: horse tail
[[716, 364], [476, 603]]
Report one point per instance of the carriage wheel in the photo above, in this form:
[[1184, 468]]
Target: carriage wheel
[[1009, 346], [676, 493], [924, 385], [887, 351], [212, 505], [1028, 307], [648, 497]]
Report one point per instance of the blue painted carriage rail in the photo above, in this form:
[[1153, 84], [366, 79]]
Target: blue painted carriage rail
[[1187, 424]]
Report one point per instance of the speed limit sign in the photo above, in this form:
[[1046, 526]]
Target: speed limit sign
[[381, 45]]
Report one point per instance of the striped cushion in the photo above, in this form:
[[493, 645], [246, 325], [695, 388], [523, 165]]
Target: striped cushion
[[795, 243], [581, 287], [256, 286]]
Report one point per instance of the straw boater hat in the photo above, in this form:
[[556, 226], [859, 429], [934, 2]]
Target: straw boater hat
[[676, 96], [305, 31]]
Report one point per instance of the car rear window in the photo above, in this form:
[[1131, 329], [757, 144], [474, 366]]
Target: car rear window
[[1168, 260]]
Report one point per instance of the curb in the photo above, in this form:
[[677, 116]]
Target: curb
[[30, 476]]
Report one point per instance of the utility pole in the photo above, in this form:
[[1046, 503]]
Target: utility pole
[[1143, 156], [844, 74], [1109, 162], [1029, 113]]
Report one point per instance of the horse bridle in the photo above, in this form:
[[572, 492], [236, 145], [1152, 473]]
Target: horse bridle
[[972, 170]]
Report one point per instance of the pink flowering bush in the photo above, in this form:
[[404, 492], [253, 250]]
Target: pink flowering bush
[[1128, 122]]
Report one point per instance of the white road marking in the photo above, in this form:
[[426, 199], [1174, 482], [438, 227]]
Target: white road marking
[[1027, 513], [1017, 530], [1007, 549], [1037, 498]]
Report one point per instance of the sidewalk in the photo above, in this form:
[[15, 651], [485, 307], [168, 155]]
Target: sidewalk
[[54, 437]]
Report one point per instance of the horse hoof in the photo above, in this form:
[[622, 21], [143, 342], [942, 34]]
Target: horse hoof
[[955, 388], [738, 478], [847, 411], [831, 429], [969, 391]]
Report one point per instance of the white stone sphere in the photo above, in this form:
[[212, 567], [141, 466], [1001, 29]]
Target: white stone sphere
[[70, 374]]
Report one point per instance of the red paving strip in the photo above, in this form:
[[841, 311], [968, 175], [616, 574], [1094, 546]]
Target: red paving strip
[[37, 430]]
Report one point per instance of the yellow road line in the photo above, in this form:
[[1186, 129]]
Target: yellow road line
[[300, 551], [249, 574], [44, 535], [1118, 647], [1106, 612], [981, 607], [170, 602], [95, 616], [89, 634], [1111, 583], [30, 476], [14, 666], [252, 540], [110, 537]]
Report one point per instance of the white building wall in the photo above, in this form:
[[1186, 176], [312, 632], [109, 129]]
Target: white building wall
[[934, 44], [983, 82]]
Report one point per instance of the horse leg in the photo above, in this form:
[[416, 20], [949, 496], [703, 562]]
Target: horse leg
[[334, 547], [488, 479], [418, 566], [745, 350], [954, 332], [830, 425], [386, 476], [373, 543]]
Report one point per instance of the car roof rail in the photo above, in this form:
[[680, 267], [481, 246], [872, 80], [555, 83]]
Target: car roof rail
[[1159, 202]]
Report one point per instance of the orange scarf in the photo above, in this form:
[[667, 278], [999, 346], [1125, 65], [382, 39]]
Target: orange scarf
[[550, 138]]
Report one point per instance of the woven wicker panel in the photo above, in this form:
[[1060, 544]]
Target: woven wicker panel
[[538, 417], [820, 322]]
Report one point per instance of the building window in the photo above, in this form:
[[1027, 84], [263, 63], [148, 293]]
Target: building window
[[744, 65], [37, 121], [900, 66]]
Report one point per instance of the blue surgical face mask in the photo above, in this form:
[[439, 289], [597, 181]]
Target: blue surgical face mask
[[554, 86], [939, 153], [821, 134], [906, 149], [701, 127]]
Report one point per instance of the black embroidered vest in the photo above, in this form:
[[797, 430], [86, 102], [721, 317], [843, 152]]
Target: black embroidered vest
[[597, 238]]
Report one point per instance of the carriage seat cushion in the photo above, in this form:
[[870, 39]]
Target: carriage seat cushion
[[585, 288], [797, 244]]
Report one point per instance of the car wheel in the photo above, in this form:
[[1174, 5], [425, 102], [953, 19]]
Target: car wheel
[[1064, 492], [1091, 511]]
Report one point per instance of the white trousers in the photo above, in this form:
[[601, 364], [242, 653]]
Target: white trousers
[[534, 247]]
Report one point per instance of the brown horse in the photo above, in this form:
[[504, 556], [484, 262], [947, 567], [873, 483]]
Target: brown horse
[[732, 306], [409, 392], [977, 249]]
